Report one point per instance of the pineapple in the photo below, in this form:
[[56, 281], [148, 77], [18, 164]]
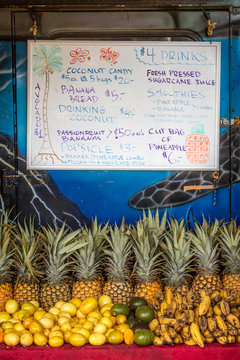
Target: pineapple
[[205, 248], [229, 239], [118, 285], [27, 262], [88, 263], [177, 258], [59, 246], [6, 259], [146, 270]]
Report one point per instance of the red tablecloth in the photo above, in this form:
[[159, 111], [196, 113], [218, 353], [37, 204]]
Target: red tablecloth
[[213, 351]]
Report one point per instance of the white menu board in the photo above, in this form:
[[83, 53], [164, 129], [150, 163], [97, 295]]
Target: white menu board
[[123, 105]]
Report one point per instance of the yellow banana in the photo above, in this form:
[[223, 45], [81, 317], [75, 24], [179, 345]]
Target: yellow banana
[[232, 330], [222, 340], [212, 325], [184, 317], [221, 324], [217, 333], [191, 341], [168, 296], [185, 333], [157, 330], [196, 315], [178, 315], [172, 332], [167, 321], [165, 334], [224, 306], [158, 340], [233, 320], [178, 299], [159, 315], [153, 324], [235, 311], [178, 339], [203, 293], [217, 310], [185, 302], [190, 316], [196, 334], [224, 294], [179, 325], [171, 309], [207, 333], [163, 307], [202, 322], [231, 339], [210, 312], [209, 340], [204, 305], [216, 297]]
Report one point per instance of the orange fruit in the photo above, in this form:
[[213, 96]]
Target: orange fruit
[[121, 319], [26, 339], [115, 337], [11, 339], [40, 339], [56, 341], [11, 306], [26, 322], [77, 339], [88, 305], [35, 327], [97, 339], [104, 300]]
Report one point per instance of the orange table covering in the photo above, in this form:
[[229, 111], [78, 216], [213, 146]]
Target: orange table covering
[[212, 351]]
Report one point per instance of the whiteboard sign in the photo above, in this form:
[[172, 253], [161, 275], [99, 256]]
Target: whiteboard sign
[[123, 105]]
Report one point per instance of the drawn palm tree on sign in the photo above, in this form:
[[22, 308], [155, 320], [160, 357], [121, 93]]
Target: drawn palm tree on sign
[[46, 61]]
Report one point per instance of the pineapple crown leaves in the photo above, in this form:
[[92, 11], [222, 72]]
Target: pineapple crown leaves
[[6, 249], [205, 246], [147, 265], [229, 240], [98, 232], [28, 261], [59, 246], [88, 259], [177, 254], [118, 253], [153, 223]]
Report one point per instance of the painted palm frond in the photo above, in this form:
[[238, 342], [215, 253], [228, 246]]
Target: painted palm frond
[[47, 60]]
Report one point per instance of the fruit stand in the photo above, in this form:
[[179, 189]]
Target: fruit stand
[[157, 285]]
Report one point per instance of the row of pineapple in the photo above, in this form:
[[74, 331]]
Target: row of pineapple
[[121, 262]]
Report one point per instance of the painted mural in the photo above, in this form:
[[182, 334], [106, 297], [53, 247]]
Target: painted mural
[[78, 196]]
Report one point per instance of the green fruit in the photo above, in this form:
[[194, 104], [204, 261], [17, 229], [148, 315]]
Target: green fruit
[[145, 314], [120, 309], [136, 302], [144, 337]]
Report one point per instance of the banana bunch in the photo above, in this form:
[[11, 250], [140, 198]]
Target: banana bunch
[[185, 319]]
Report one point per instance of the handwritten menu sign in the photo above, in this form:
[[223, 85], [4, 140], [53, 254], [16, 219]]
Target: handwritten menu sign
[[123, 105]]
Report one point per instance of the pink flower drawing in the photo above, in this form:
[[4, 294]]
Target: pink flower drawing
[[79, 55], [109, 55]]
